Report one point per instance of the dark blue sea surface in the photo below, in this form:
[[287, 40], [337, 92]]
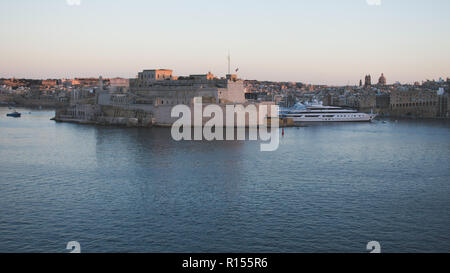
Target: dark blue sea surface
[[328, 188]]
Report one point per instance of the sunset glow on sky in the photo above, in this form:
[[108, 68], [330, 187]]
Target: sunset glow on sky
[[319, 42]]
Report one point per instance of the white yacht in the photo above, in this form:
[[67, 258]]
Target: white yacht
[[320, 113]]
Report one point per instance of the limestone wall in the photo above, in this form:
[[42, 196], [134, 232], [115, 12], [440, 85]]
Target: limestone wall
[[234, 93]]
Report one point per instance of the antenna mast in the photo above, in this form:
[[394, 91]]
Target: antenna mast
[[229, 63]]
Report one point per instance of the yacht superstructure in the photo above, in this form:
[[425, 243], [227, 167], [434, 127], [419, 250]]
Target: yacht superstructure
[[319, 113]]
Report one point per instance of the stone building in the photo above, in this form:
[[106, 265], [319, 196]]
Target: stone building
[[119, 85], [157, 92], [367, 101], [382, 80], [151, 75], [168, 91], [367, 81], [383, 101], [442, 105], [417, 103]]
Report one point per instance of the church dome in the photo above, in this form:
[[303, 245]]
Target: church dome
[[382, 79]]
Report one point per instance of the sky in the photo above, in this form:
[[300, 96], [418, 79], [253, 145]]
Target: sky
[[311, 41]]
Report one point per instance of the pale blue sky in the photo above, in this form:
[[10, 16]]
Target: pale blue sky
[[316, 41]]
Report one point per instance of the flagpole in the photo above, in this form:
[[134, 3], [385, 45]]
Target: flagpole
[[229, 63]]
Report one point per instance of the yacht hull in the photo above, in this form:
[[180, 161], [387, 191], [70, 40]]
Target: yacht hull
[[327, 114], [359, 118]]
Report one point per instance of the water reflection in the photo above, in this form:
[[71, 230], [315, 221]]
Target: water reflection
[[331, 187]]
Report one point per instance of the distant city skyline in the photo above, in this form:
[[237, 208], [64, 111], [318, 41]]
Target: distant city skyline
[[319, 42]]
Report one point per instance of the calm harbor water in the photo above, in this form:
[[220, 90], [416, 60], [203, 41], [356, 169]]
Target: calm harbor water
[[328, 188]]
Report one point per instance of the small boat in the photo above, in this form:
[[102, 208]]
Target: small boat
[[15, 114]]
